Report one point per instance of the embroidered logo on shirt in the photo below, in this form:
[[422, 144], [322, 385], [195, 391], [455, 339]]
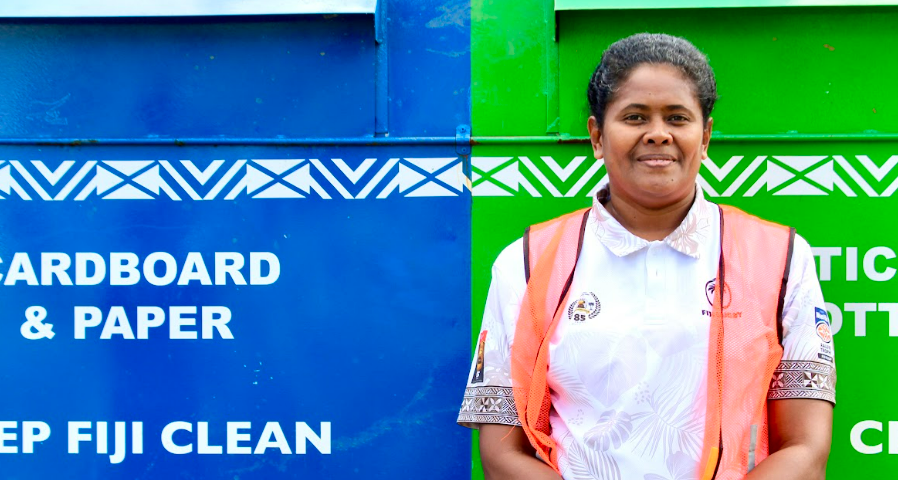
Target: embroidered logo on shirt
[[587, 305], [711, 287], [478, 369], [822, 322]]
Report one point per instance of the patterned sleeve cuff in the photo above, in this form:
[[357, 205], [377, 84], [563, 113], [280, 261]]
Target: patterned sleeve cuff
[[803, 379], [488, 405]]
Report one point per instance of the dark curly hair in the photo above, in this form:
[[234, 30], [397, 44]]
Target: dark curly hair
[[624, 55]]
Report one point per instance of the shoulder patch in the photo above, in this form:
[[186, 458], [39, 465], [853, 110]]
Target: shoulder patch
[[478, 369], [821, 321]]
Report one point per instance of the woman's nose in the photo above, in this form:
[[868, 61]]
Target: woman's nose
[[657, 134]]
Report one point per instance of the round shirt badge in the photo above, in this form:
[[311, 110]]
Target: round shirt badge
[[587, 305], [824, 332]]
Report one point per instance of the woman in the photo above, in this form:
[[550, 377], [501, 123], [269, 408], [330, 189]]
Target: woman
[[690, 341]]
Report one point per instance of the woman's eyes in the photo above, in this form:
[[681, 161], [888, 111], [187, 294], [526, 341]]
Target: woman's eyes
[[638, 118]]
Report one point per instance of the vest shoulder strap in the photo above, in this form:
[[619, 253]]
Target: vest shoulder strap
[[782, 298], [738, 223], [543, 231]]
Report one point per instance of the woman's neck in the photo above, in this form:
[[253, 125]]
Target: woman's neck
[[648, 223]]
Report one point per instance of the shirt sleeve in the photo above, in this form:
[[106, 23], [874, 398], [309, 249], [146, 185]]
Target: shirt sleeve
[[488, 396], [808, 368]]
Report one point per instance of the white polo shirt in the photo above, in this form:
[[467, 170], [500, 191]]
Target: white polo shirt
[[628, 362]]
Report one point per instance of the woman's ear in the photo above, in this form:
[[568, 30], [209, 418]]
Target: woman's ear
[[706, 137], [595, 137]]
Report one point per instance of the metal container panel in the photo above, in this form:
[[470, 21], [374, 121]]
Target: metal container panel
[[243, 134]]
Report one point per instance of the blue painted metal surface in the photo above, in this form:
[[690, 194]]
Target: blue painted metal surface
[[381, 72], [368, 317], [430, 48], [166, 8], [304, 76]]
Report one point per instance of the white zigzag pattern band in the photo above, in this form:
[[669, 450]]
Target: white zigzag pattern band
[[795, 175], [422, 177], [228, 180]]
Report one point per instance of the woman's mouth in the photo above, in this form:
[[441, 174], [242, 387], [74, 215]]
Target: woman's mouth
[[656, 161]]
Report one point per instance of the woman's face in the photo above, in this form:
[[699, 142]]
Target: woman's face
[[653, 139]]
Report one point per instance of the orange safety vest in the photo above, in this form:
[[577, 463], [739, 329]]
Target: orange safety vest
[[743, 350]]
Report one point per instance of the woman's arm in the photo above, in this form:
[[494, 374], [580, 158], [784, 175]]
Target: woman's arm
[[506, 454], [800, 438]]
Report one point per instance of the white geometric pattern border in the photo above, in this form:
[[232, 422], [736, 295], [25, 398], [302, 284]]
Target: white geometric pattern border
[[538, 177], [228, 180], [800, 175], [544, 176], [738, 176]]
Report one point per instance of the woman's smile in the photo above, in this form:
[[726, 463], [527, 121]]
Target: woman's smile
[[656, 160]]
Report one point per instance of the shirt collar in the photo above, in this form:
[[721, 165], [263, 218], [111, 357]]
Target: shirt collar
[[689, 238]]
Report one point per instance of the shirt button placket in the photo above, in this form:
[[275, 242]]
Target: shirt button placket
[[654, 284]]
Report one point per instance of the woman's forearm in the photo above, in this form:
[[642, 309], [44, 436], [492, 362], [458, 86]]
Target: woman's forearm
[[517, 466], [797, 462], [800, 438], [506, 454]]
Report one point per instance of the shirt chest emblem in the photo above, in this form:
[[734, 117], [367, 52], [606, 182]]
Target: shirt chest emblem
[[585, 306], [711, 289]]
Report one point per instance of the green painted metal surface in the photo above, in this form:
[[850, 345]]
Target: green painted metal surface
[[795, 70], [806, 133], [509, 75], [646, 4]]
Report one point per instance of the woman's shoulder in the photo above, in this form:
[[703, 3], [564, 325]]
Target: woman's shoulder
[[803, 256], [508, 268]]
